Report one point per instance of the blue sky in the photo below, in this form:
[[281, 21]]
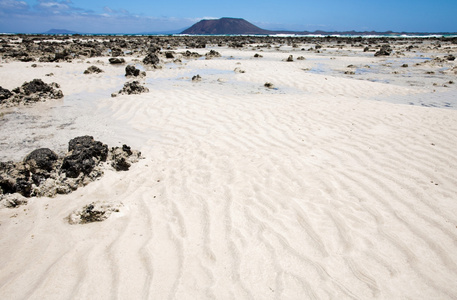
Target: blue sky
[[136, 16]]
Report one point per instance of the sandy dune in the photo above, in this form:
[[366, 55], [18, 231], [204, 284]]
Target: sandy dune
[[308, 191]]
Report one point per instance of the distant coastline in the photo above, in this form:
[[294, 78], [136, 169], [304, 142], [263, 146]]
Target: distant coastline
[[241, 27]]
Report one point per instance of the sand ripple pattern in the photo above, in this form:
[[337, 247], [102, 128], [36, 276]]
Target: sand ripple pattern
[[304, 196]]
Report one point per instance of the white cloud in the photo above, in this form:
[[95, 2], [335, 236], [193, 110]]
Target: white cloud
[[13, 5]]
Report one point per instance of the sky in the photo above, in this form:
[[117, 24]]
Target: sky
[[141, 16]]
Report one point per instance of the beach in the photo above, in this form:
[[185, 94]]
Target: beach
[[337, 180]]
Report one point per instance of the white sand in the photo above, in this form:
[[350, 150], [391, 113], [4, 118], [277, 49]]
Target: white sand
[[310, 191]]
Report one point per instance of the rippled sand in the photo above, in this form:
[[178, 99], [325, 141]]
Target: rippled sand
[[312, 190]]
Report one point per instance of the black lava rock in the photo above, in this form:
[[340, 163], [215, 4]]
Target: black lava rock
[[151, 59], [42, 158], [131, 71], [84, 154], [116, 61], [4, 94]]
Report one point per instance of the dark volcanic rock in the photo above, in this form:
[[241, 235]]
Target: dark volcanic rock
[[169, 54], [4, 94], [84, 154], [34, 86], [133, 87], [43, 158], [116, 52], [196, 78], [44, 173], [116, 61], [384, 51], [189, 54], [93, 212], [131, 71], [151, 59], [33, 91], [120, 158], [212, 53], [92, 70]]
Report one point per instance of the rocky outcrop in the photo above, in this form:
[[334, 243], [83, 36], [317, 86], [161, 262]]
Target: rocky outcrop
[[44, 173], [130, 88], [131, 71], [385, 50], [33, 91], [189, 54], [4, 94], [151, 59], [92, 70], [84, 153], [212, 54], [116, 61]]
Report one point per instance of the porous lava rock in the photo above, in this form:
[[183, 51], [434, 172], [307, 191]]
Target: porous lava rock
[[130, 88], [30, 92], [92, 70], [44, 173]]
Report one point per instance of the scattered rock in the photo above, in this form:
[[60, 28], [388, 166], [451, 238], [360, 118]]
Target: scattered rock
[[269, 85], [349, 72], [33, 91], [123, 157], [116, 61], [116, 52], [151, 59], [290, 58], [84, 154], [44, 173], [238, 70], [450, 57], [404, 65], [169, 54], [92, 70], [4, 94], [196, 78], [130, 88], [12, 200], [93, 212], [41, 159], [257, 55], [212, 53], [301, 58], [189, 54], [384, 51], [131, 71]]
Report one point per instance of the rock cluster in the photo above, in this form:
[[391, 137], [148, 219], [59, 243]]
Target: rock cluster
[[33, 91], [131, 71], [151, 59], [44, 173], [129, 88], [92, 70], [385, 50], [196, 78], [212, 54], [116, 61]]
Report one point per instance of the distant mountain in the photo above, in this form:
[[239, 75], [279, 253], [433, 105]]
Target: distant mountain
[[225, 26], [60, 31], [241, 26]]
